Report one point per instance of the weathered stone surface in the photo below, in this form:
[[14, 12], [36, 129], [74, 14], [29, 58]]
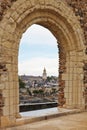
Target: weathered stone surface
[[1, 103], [67, 20]]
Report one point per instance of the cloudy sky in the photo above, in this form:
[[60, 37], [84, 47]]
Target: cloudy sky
[[38, 49]]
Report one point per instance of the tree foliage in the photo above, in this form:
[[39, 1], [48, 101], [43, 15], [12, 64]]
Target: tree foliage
[[38, 92], [29, 92], [21, 84]]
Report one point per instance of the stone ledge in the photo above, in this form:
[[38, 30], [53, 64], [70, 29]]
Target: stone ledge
[[27, 120]]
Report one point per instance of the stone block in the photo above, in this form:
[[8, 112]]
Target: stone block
[[66, 83], [65, 77], [11, 93], [7, 102], [11, 85], [70, 90], [4, 77], [70, 83], [66, 90], [7, 84], [5, 121], [5, 93], [2, 86], [11, 110], [6, 111], [10, 77], [9, 67]]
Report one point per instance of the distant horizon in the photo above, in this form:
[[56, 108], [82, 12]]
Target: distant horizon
[[37, 75]]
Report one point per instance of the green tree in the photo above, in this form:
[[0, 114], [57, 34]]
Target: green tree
[[41, 92], [21, 84], [48, 78], [29, 92], [35, 92], [53, 91]]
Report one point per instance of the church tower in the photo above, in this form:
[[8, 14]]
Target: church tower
[[44, 74]]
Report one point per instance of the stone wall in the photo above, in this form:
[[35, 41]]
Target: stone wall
[[80, 9], [69, 29], [1, 103], [62, 69], [3, 72]]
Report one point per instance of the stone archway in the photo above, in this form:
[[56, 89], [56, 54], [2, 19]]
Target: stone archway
[[59, 18]]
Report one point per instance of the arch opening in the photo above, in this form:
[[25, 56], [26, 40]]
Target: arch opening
[[38, 49], [68, 49]]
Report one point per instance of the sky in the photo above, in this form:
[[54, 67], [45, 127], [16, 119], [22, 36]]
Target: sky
[[38, 49]]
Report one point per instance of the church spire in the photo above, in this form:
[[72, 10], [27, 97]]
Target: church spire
[[44, 74]]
